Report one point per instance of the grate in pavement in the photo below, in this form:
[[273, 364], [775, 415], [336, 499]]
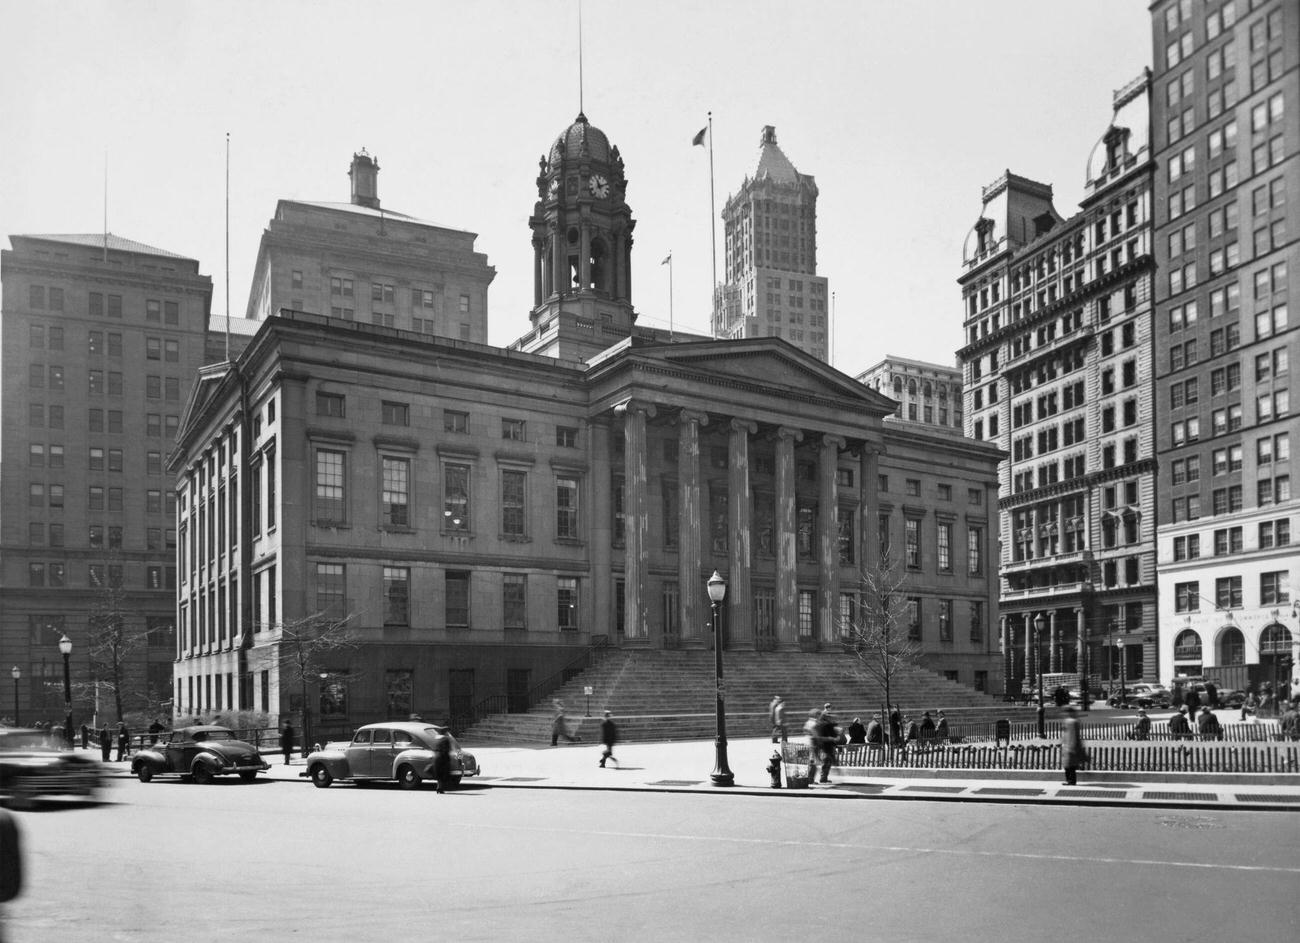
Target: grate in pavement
[[1182, 796], [675, 782], [934, 788], [1089, 794], [523, 779], [1263, 797], [1009, 791]]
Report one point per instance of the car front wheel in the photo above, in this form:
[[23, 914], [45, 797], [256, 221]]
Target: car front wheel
[[321, 777], [144, 773], [202, 774], [407, 777]]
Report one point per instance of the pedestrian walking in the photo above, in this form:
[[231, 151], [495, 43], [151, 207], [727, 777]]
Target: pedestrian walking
[[1291, 722], [442, 760], [875, 732], [1266, 701], [608, 737], [1179, 728], [1193, 701], [85, 737], [105, 743], [155, 731], [895, 726], [776, 716], [1141, 729], [821, 741], [927, 726], [1207, 725], [1074, 755], [287, 743], [1250, 706], [123, 741], [910, 729], [857, 732], [558, 726], [941, 728]]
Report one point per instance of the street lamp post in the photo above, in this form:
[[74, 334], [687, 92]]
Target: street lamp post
[[1038, 665], [65, 647], [721, 775], [16, 674]]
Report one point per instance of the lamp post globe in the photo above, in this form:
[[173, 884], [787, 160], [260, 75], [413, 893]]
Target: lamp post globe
[[1038, 665], [16, 674], [65, 648], [721, 775]]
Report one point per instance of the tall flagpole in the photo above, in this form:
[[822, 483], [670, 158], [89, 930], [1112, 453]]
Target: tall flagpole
[[669, 262], [227, 246], [832, 331], [713, 233], [106, 204]]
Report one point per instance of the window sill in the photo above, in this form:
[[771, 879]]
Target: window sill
[[333, 525], [515, 538]]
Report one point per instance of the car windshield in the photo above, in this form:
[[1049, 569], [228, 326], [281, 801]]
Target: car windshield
[[201, 735]]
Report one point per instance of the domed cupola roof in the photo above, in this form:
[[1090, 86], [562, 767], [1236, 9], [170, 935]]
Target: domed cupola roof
[[580, 140]]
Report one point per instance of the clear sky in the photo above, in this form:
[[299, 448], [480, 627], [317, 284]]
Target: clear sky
[[901, 109]]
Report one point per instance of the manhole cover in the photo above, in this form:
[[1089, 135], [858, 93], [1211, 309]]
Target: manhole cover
[[1188, 821], [1182, 796], [675, 782]]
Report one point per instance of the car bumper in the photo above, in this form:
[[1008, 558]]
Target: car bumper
[[246, 768]]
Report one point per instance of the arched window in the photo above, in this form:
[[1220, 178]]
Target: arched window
[[1275, 640], [911, 387], [929, 390], [1231, 646], [1187, 647], [898, 384]]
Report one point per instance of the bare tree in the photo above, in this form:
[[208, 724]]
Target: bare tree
[[115, 635], [308, 646], [878, 631]]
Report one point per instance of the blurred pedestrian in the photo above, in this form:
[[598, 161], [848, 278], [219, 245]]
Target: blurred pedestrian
[[857, 732], [1193, 701], [155, 731], [941, 728], [1074, 755], [1266, 700], [287, 743], [895, 726], [776, 716], [822, 743], [123, 741], [608, 737], [926, 731], [1179, 728], [442, 760], [910, 730], [1291, 722], [558, 726], [105, 743], [1207, 725], [85, 737], [1211, 694], [11, 861], [1250, 706]]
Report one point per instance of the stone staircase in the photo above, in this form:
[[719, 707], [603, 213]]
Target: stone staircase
[[669, 695]]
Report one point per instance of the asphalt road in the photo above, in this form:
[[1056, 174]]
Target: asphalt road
[[172, 861]]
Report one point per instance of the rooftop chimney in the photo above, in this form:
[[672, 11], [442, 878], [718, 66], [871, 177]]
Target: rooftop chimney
[[769, 135], [365, 180]]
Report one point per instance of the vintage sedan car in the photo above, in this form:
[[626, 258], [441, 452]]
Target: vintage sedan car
[[201, 753], [31, 770], [397, 750], [1141, 694]]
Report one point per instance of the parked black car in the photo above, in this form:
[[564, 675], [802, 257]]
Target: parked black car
[[201, 753]]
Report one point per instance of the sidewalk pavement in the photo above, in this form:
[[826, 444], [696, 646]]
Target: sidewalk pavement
[[685, 766]]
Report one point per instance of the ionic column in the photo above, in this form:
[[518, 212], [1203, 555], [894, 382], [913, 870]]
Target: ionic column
[[869, 508], [601, 526], [740, 508], [636, 514], [787, 597], [1054, 661], [689, 536], [829, 536]]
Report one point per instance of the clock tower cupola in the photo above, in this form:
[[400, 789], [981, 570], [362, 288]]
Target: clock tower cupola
[[582, 241]]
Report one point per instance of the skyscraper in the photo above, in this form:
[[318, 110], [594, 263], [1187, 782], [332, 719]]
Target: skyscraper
[[1226, 128], [770, 283]]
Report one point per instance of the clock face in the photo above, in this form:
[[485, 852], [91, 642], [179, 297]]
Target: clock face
[[598, 186]]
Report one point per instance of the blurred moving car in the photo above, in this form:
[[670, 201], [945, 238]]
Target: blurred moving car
[[397, 750], [31, 770], [201, 752]]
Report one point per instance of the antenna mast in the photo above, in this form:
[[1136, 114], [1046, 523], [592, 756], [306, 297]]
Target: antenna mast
[[580, 109], [227, 246]]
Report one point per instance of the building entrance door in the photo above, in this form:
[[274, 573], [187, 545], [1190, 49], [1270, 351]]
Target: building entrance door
[[518, 681]]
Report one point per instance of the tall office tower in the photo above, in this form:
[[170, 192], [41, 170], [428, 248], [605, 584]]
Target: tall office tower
[[1057, 371], [360, 262], [102, 340], [770, 283], [1226, 120], [928, 393]]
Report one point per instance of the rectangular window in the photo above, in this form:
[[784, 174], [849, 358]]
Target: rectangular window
[[397, 595], [512, 430], [977, 622], [331, 404], [566, 600], [514, 510], [566, 437], [453, 421], [396, 491], [1227, 592], [395, 414], [1187, 597], [974, 551], [455, 497], [331, 486], [566, 508], [1275, 588], [457, 599], [914, 618], [514, 600], [945, 620], [945, 548], [912, 535]]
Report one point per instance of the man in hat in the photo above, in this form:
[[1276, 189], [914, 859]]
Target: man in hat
[[1179, 728], [1207, 725], [608, 737], [1142, 729]]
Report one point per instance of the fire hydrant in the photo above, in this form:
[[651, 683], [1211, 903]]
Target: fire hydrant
[[774, 769]]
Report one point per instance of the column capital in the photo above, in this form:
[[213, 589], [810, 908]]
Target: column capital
[[743, 425], [636, 406], [788, 432], [692, 415], [829, 439]]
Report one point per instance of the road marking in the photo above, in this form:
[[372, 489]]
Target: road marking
[[898, 849]]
